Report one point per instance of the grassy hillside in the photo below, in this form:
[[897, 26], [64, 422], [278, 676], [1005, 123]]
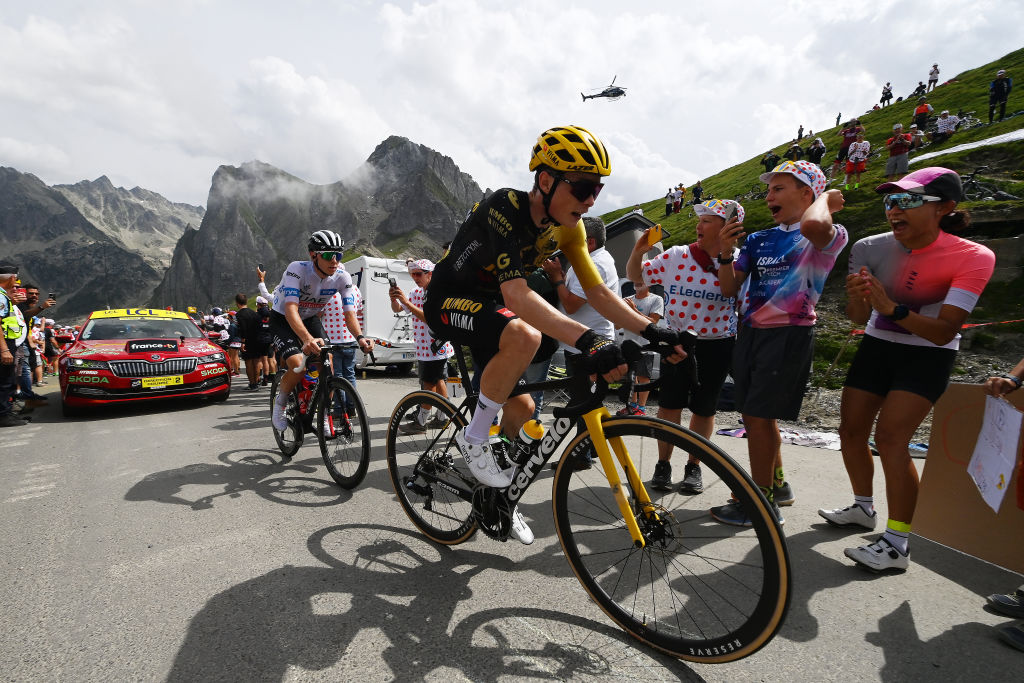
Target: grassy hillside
[[863, 214]]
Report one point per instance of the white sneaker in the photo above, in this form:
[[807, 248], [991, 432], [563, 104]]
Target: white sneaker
[[278, 418], [850, 516], [520, 529], [879, 556], [484, 462]]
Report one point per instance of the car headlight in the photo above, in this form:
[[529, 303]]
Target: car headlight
[[212, 358], [90, 364]]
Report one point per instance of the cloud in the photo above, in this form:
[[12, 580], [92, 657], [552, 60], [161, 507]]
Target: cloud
[[161, 94]]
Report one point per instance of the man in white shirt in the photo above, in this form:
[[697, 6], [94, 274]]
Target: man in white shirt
[[945, 127], [652, 307], [571, 296]]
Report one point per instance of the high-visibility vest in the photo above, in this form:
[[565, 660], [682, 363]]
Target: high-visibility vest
[[12, 324]]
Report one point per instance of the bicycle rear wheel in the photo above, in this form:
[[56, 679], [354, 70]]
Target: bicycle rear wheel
[[343, 431], [698, 590], [427, 469], [288, 440]]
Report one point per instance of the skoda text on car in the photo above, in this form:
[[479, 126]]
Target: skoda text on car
[[140, 354]]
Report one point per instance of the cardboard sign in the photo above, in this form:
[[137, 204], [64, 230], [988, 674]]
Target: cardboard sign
[[950, 509]]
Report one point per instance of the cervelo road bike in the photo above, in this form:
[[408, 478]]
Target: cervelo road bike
[[659, 567], [331, 408]]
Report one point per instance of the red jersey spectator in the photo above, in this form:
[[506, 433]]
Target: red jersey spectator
[[899, 147]]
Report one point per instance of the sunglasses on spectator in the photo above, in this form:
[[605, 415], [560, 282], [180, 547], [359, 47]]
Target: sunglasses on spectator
[[907, 200], [329, 255], [581, 189]]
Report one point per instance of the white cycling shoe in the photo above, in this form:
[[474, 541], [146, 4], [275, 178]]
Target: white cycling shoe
[[486, 461], [520, 529]]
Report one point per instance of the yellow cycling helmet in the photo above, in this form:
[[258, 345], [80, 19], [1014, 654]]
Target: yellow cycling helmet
[[570, 148]]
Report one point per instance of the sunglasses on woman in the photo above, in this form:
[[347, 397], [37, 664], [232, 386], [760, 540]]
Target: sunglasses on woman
[[329, 255], [907, 200], [582, 189]]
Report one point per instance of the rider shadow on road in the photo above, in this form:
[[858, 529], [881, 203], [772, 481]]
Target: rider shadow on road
[[243, 470], [384, 581]]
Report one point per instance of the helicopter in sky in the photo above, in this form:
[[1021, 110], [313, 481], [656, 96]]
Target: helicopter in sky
[[612, 91]]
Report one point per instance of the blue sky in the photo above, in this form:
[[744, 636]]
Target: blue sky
[[159, 94]]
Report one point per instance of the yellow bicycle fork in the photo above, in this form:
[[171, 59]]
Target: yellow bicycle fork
[[593, 420]]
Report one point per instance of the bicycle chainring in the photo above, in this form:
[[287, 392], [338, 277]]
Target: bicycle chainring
[[492, 511]]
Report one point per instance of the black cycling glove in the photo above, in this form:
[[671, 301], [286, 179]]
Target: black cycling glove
[[601, 353], [664, 338]]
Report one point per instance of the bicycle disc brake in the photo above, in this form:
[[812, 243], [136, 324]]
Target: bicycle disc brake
[[660, 528], [492, 512]]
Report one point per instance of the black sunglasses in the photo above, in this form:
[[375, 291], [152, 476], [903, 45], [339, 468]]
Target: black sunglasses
[[582, 189]]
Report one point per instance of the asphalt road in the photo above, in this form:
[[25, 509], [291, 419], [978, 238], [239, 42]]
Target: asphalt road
[[174, 543]]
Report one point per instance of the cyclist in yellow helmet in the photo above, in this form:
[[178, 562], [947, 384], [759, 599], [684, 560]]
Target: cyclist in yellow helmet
[[479, 296]]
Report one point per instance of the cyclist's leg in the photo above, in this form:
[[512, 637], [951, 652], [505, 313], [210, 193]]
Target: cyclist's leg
[[516, 347], [290, 349]]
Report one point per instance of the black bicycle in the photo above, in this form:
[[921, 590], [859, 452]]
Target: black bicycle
[[331, 408], [660, 568], [974, 189]]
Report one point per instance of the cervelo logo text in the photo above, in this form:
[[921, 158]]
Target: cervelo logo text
[[456, 304], [532, 467]]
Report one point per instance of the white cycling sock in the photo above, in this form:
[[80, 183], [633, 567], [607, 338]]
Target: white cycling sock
[[281, 399], [423, 415], [479, 429], [867, 503]]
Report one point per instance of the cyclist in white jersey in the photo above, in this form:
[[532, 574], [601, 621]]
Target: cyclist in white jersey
[[306, 287]]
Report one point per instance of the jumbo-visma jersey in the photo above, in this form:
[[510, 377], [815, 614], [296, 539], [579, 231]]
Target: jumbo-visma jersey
[[499, 242]]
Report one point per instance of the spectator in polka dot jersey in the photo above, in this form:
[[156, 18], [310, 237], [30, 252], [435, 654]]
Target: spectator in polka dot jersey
[[689, 274], [432, 366], [338, 332]]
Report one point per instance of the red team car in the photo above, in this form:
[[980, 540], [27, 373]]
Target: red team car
[[140, 354]]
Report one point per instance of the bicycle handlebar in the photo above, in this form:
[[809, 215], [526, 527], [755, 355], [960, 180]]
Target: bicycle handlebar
[[586, 395], [324, 347]]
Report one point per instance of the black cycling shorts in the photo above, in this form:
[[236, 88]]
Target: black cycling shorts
[[465, 318], [286, 342], [714, 358], [881, 366]]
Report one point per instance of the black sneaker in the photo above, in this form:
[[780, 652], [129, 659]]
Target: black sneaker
[[692, 481], [662, 479], [11, 420]]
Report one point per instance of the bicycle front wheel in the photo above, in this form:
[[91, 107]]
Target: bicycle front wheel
[[343, 431], [427, 469], [697, 590], [289, 440]]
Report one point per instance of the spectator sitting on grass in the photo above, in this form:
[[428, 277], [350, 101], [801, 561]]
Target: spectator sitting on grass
[[946, 126]]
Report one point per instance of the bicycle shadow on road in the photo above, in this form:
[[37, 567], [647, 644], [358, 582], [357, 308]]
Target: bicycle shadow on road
[[243, 470], [377, 580]]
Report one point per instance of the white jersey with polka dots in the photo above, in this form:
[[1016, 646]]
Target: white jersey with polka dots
[[421, 334], [693, 299], [334, 318]]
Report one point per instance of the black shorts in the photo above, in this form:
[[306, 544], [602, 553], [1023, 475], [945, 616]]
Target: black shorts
[[465, 318], [881, 366], [432, 371], [842, 153], [286, 342], [714, 358], [771, 367], [254, 349]]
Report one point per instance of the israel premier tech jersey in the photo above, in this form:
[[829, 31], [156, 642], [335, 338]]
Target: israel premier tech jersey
[[785, 275], [949, 271], [499, 242], [302, 284]]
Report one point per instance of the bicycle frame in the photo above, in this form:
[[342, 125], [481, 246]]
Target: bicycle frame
[[552, 440]]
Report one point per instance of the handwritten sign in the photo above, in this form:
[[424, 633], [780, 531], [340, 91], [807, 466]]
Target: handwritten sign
[[995, 452]]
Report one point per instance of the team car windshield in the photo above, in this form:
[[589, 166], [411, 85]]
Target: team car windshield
[[140, 328]]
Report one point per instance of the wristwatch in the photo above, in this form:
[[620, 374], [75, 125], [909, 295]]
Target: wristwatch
[[1013, 378], [726, 261], [559, 282], [899, 313]]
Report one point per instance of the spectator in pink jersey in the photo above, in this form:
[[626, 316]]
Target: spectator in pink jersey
[[431, 360], [912, 333], [689, 274]]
